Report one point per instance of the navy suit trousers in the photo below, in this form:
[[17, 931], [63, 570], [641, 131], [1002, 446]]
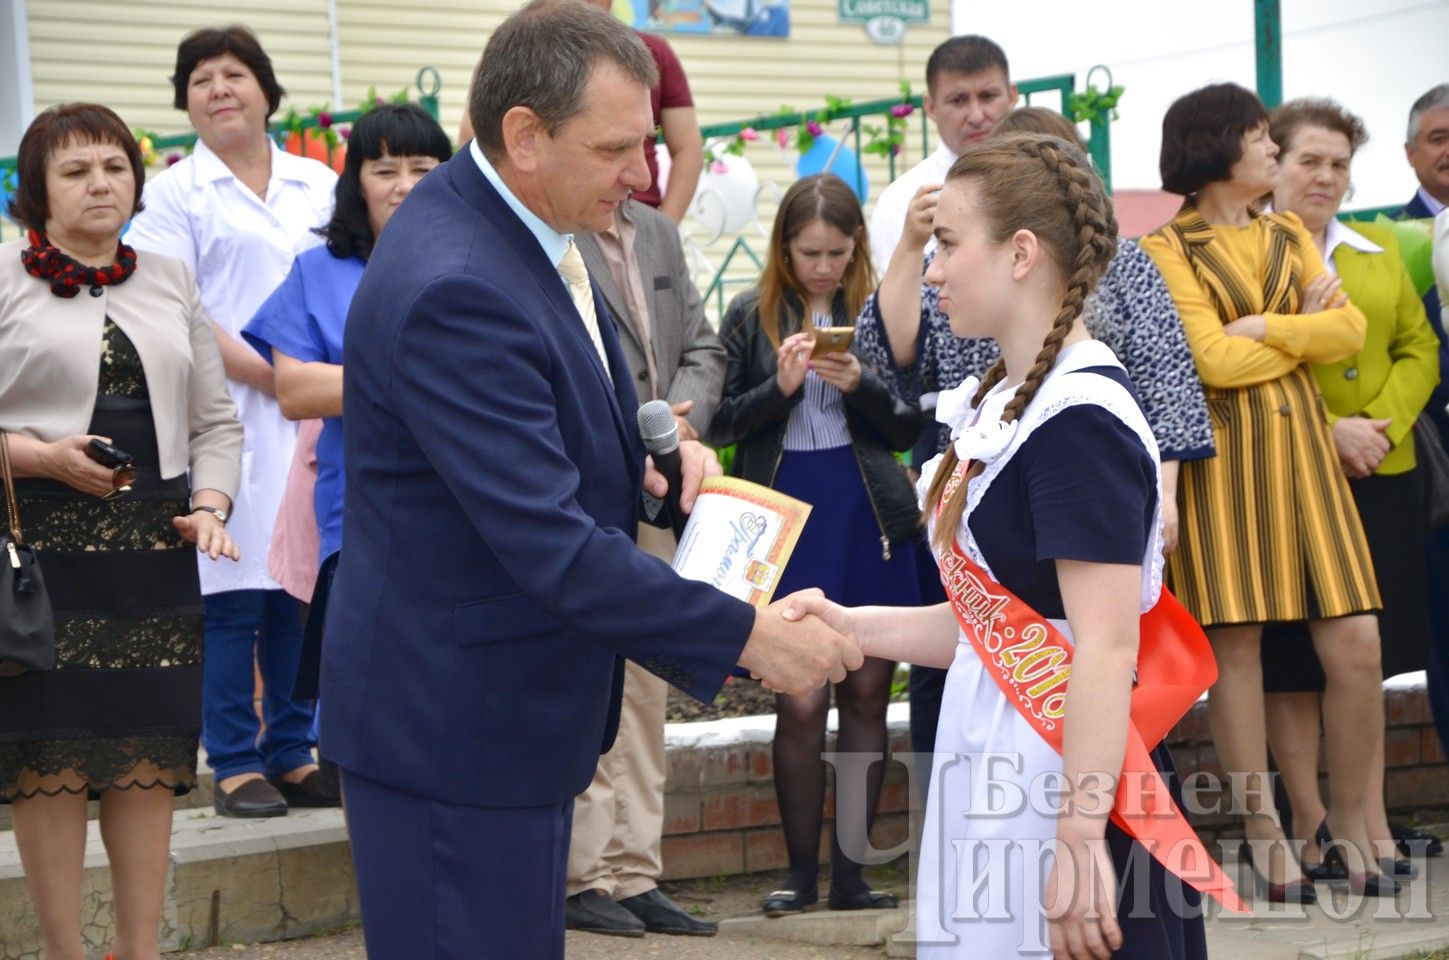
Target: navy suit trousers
[[438, 881]]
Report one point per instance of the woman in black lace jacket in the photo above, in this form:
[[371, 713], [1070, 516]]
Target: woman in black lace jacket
[[97, 340]]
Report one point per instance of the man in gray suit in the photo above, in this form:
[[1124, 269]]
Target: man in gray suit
[[614, 857]]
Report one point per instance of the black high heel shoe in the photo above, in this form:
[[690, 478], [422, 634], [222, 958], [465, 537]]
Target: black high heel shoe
[[1400, 868], [1293, 891], [1381, 884], [1320, 872], [1407, 838]]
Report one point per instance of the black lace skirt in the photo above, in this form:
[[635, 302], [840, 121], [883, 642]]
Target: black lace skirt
[[122, 707]]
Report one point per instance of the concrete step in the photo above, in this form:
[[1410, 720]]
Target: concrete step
[[230, 881]]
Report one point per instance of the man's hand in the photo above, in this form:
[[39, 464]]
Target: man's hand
[[1362, 444], [696, 462], [799, 657], [680, 411]]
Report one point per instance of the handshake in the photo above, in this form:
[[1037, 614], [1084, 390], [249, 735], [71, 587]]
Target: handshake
[[800, 642]]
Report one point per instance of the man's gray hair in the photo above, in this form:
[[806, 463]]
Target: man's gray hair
[[1436, 97], [541, 58]]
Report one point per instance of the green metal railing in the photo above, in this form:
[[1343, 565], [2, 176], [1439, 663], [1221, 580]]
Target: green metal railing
[[856, 115]]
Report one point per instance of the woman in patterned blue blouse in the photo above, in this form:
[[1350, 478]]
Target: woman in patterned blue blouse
[[901, 327]]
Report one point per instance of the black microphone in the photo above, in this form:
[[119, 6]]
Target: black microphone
[[661, 439]]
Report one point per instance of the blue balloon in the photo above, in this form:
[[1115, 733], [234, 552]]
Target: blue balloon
[[8, 184], [813, 161]]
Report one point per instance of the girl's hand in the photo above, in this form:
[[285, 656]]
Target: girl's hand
[[793, 362], [841, 370], [921, 216], [803, 603], [65, 460], [1080, 909], [208, 533]]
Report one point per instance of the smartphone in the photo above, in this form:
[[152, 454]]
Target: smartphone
[[107, 455], [832, 340]]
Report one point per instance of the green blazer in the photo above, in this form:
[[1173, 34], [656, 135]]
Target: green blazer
[[1398, 367]]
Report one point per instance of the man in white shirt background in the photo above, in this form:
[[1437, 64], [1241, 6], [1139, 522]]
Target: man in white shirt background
[[968, 89]]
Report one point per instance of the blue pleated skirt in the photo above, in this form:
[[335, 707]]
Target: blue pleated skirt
[[840, 548]]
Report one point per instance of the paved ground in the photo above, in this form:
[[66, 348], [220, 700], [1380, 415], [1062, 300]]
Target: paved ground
[[1416, 926], [716, 898], [348, 946]]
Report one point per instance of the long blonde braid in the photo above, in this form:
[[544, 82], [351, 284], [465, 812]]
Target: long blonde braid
[[1046, 185]]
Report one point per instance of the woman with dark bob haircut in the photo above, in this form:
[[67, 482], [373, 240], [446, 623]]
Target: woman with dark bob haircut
[[299, 328], [237, 211], [98, 341], [1268, 528]]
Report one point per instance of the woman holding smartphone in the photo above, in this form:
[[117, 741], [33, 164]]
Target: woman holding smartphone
[[126, 452], [820, 424]]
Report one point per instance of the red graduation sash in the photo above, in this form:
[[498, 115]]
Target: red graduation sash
[[1030, 661]]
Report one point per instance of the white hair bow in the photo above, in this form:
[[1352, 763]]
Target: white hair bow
[[972, 439]]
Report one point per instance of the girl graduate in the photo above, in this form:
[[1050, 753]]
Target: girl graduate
[[1048, 828]]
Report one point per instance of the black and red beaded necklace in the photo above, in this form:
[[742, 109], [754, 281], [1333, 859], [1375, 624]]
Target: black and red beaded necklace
[[44, 261]]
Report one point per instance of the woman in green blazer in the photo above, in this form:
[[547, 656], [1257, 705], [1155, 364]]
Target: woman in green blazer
[[1372, 400]]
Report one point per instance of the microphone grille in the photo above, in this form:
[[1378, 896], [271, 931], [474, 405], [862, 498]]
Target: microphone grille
[[656, 426]]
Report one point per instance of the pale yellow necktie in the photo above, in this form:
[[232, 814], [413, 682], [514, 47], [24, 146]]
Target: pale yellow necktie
[[572, 269]]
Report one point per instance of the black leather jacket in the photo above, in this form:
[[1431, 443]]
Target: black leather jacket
[[753, 414]]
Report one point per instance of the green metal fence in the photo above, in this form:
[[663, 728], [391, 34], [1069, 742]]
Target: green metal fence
[[859, 118]]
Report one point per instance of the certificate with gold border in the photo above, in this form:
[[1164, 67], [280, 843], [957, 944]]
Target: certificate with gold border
[[739, 538]]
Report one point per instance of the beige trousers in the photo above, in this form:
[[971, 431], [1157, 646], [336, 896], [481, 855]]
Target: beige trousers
[[619, 820]]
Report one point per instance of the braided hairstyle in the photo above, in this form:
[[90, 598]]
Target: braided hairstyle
[[1041, 183]]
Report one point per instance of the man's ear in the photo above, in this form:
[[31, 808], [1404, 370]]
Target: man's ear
[[523, 132]]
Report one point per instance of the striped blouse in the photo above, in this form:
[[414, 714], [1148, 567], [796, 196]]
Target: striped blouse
[[817, 422]]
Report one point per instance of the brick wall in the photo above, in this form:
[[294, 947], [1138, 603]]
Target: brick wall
[[720, 815]]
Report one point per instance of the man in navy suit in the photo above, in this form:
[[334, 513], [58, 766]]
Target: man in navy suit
[[1427, 148], [491, 586]]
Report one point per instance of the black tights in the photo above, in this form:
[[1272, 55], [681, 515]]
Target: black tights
[[800, 773]]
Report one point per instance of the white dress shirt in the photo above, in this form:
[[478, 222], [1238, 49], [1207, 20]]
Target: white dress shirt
[[889, 216], [240, 247], [1338, 233], [1430, 201]]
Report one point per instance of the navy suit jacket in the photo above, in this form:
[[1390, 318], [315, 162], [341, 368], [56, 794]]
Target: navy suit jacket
[[1416, 209], [490, 582]]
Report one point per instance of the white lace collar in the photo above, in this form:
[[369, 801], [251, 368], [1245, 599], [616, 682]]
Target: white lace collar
[[978, 433]]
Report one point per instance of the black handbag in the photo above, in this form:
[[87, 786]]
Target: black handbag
[[1434, 469], [27, 624]]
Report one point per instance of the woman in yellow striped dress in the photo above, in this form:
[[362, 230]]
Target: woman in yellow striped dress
[[1268, 527]]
